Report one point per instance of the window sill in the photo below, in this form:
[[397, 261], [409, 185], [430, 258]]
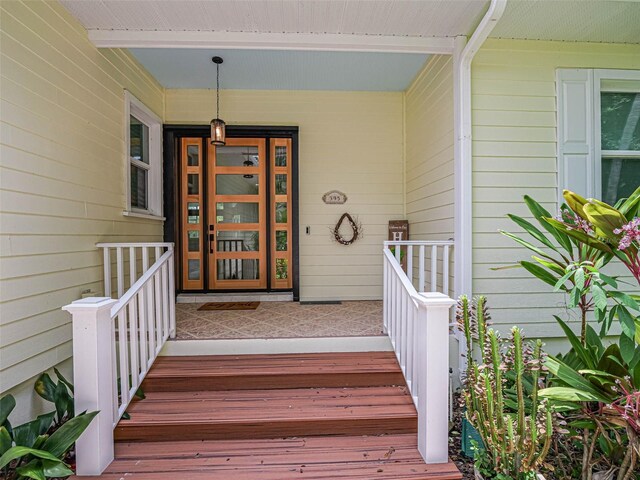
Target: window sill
[[147, 216]]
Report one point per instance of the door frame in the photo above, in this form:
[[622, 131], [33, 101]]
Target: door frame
[[171, 187]]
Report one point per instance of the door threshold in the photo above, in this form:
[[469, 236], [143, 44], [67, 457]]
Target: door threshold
[[235, 297]]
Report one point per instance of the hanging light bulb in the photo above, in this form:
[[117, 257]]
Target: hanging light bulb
[[218, 127]]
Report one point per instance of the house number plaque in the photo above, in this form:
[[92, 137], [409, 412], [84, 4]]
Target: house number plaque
[[334, 197]]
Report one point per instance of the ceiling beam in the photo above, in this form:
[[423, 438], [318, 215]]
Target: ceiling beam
[[270, 41]]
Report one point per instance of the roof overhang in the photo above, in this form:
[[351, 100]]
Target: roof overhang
[[270, 41]]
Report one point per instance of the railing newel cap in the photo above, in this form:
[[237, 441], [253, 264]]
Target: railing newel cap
[[435, 299], [90, 303]]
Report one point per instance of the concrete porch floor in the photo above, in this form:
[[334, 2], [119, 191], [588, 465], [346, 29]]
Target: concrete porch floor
[[280, 320]]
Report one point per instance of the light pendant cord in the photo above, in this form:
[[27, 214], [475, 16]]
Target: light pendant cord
[[217, 90]]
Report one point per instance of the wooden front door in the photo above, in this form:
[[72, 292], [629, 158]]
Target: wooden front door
[[236, 227], [237, 209]]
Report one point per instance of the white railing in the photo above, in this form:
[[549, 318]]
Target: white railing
[[428, 259], [115, 342], [418, 326]]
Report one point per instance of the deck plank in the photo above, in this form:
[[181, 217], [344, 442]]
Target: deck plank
[[353, 457]]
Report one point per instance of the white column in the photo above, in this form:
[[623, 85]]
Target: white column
[[93, 380], [433, 381]]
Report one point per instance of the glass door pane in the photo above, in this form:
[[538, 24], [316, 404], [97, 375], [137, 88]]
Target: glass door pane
[[281, 201], [191, 198], [237, 215]]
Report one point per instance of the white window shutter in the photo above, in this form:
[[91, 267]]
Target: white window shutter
[[576, 159]]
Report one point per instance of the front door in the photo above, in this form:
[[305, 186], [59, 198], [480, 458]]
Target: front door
[[236, 225], [237, 215]]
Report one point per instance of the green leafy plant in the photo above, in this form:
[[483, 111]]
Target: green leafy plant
[[556, 254], [501, 397], [39, 449], [595, 386]]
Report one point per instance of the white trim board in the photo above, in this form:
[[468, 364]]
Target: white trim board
[[277, 345], [270, 41]]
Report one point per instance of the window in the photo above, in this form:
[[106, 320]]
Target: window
[[599, 132], [144, 159]]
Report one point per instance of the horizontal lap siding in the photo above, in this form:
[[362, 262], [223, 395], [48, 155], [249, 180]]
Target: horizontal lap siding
[[514, 153], [62, 177], [429, 154], [349, 141]]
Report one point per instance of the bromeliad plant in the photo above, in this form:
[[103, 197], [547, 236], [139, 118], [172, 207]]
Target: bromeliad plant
[[501, 398], [39, 449]]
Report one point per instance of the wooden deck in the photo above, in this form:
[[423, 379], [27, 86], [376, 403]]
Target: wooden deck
[[273, 417]]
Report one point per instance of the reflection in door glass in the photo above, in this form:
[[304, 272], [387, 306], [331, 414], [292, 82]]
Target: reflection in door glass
[[281, 156], [238, 269], [237, 184], [281, 241], [193, 186], [193, 154], [281, 212], [238, 241], [194, 269], [234, 156], [237, 212], [281, 269], [193, 212], [281, 184], [194, 240]]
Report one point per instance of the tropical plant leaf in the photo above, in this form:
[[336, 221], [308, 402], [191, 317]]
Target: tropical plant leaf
[[567, 394], [532, 230], [581, 237], [625, 299], [18, 451], [56, 469], [5, 440], [7, 404], [45, 387], [554, 267], [599, 296], [526, 244], [26, 434], [64, 380], [584, 354], [627, 322], [605, 219], [33, 469], [62, 439], [629, 350], [575, 202], [539, 272], [629, 208], [573, 379], [541, 214]]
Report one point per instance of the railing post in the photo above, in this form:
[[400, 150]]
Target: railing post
[[433, 381], [93, 380]]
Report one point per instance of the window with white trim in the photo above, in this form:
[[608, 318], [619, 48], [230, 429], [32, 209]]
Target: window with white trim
[[599, 132], [144, 159]]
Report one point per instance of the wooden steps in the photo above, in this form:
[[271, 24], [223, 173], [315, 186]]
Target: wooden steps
[[269, 413], [273, 417], [393, 457], [239, 372]]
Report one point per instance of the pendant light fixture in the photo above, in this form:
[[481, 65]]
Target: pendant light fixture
[[218, 126]]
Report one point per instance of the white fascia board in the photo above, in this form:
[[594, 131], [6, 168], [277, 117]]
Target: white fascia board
[[270, 41]]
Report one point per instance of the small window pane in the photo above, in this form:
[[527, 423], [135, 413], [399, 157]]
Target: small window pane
[[620, 120], [194, 269], [193, 184], [139, 188], [138, 140], [620, 178], [194, 240], [282, 269], [238, 269], [193, 155], [228, 212], [281, 212], [193, 212], [281, 156], [237, 184], [233, 156], [281, 240], [238, 241], [281, 184]]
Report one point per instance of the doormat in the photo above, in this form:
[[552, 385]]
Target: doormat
[[217, 306]]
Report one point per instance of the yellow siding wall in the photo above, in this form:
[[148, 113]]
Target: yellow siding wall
[[429, 153], [349, 141], [62, 177], [514, 153]]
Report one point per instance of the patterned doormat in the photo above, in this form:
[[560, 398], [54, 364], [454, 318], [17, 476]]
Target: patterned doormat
[[217, 306]]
